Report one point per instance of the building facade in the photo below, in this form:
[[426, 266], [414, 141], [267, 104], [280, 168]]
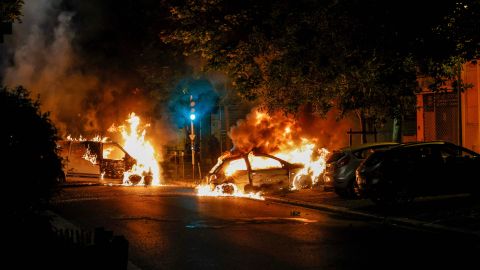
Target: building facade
[[451, 116]]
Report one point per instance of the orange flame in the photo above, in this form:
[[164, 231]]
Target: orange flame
[[140, 149], [226, 190], [97, 138], [89, 156]]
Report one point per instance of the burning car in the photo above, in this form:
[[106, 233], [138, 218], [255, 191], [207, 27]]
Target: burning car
[[94, 159], [253, 172]]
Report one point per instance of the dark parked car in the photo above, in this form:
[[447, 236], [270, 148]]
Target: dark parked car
[[410, 170], [253, 172], [341, 165]]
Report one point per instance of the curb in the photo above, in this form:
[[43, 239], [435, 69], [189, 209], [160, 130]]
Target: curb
[[385, 219]]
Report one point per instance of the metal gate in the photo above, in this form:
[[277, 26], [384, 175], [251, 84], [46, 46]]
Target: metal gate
[[440, 115]]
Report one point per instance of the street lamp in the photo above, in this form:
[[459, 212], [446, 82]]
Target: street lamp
[[192, 134]]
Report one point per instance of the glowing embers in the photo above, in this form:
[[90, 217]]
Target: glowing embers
[[226, 190]]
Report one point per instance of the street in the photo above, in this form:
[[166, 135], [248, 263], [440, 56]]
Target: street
[[169, 227]]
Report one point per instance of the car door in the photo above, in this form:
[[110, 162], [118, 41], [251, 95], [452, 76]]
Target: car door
[[431, 170], [113, 161], [460, 166], [234, 171], [83, 159], [267, 171]]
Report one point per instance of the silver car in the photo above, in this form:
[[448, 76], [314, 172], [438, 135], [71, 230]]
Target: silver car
[[341, 165]]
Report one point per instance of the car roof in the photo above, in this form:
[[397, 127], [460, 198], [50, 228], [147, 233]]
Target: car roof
[[255, 153], [369, 145], [417, 144]]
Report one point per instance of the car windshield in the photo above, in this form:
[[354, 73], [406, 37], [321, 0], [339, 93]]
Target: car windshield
[[375, 158], [335, 156]]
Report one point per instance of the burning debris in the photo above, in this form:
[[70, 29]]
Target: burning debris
[[226, 190]]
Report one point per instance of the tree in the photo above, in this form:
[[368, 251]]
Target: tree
[[31, 167], [11, 10], [360, 56]]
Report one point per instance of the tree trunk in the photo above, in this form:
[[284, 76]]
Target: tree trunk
[[397, 129]]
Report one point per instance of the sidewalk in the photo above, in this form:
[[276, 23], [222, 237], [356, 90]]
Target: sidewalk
[[455, 213]]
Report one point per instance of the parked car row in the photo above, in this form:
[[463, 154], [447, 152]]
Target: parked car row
[[341, 165], [389, 173], [406, 171]]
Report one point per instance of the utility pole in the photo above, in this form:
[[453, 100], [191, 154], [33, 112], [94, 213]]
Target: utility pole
[[459, 100]]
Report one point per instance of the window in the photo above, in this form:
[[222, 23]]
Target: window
[[232, 166], [335, 156], [262, 162], [365, 153], [113, 152]]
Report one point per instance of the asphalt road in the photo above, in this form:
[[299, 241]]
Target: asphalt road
[[171, 228]]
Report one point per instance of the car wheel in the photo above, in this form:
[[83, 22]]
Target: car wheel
[[302, 182], [348, 192], [228, 188], [404, 195], [62, 178]]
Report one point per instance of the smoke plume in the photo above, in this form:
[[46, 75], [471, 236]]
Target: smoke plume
[[64, 61], [269, 133]]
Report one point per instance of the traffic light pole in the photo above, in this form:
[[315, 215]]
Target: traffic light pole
[[192, 140], [192, 135]]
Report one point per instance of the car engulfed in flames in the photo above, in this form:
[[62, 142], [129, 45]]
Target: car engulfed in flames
[[134, 162], [271, 153], [95, 159], [252, 173]]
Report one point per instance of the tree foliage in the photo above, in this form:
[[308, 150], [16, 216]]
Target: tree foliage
[[11, 10], [362, 56], [30, 165]]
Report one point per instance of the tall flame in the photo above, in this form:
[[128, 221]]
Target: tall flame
[[141, 150]]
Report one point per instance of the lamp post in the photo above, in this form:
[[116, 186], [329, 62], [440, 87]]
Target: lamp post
[[192, 135]]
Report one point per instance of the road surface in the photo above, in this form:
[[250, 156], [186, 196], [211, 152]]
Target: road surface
[[171, 228]]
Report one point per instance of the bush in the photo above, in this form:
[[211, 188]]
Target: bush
[[31, 166]]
